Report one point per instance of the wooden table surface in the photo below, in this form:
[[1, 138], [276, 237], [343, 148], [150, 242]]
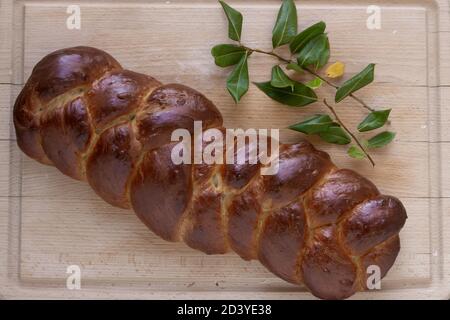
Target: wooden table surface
[[49, 222]]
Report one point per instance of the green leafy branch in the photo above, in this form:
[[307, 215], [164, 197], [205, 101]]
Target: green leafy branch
[[310, 51], [354, 149]]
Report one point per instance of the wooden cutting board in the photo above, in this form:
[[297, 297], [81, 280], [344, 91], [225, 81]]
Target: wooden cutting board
[[49, 222]]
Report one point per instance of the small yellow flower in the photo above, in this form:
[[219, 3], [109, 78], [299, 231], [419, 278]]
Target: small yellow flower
[[336, 70]]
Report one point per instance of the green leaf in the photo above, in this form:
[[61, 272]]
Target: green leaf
[[374, 120], [299, 97], [380, 140], [226, 55], [324, 56], [316, 124], [280, 79], [234, 21], [336, 135], [300, 40], [315, 83], [359, 81], [295, 67], [286, 25], [238, 82], [315, 53], [356, 152]]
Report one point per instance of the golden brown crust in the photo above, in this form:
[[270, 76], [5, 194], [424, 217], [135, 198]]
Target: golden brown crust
[[382, 256], [327, 270], [309, 223], [116, 94], [204, 231], [373, 222], [111, 162], [65, 135], [27, 124], [340, 192], [281, 240], [300, 167], [244, 214], [171, 107], [69, 68], [160, 192]]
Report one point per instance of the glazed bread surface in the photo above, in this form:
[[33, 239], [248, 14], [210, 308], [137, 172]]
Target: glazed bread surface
[[311, 223]]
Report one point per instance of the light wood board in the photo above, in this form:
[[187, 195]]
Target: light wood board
[[49, 221]]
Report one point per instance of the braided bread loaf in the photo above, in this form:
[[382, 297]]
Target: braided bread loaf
[[311, 223]]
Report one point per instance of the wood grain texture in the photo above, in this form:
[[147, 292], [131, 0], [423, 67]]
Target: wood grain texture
[[6, 18], [6, 92], [48, 221]]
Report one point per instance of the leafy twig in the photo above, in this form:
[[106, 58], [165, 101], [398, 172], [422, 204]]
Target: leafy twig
[[273, 54], [362, 102], [310, 51], [348, 131], [270, 53]]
